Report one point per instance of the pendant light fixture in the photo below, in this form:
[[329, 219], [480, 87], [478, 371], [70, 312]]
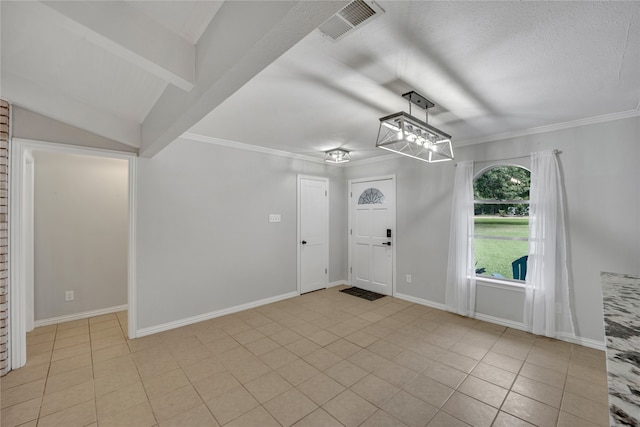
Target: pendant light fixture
[[404, 134]]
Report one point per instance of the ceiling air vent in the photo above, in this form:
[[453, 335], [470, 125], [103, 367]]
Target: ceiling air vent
[[351, 17]]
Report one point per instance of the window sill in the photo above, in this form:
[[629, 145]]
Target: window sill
[[493, 282]]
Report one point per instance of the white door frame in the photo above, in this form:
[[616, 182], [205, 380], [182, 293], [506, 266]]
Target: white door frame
[[394, 225], [298, 231], [28, 230], [18, 246]]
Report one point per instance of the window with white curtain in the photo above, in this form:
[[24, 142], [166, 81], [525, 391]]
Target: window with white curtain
[[501, 222], [502, 194]]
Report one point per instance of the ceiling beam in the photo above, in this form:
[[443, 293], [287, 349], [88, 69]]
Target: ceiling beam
[[47, 101], [241, 40], [130, 34]]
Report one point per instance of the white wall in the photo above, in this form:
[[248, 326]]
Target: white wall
[[81, 233], [600, 167], [29, 125], [204, 242]]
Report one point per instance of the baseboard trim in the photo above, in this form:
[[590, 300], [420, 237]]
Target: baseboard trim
[[211, 315], [79, 316], [500, 321], [338, 283], [421, 301], [586, 342]]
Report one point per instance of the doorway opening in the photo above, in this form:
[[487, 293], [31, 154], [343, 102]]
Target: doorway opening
[[29, 225]]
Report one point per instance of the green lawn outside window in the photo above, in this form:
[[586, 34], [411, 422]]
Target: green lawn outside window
[[496, 255]]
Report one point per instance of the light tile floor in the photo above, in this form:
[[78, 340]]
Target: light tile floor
[[320, 359]]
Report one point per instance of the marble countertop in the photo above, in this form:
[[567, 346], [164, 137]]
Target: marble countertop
[[621, 298]]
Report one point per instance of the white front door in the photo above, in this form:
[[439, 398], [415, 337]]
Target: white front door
[[372, 230], [313, 233]]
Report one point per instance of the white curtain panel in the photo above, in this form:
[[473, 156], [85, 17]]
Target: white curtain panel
[[547, 309], [461, 274]]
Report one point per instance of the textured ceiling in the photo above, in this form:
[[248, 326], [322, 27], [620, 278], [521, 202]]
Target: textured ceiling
[[142, 73], [490, 67]]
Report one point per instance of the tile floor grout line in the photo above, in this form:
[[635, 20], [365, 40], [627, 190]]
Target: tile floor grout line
[[93, 371], [510, 389], [46, 381], [400, 319]]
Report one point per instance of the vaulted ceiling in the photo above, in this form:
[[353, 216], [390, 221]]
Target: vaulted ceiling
[[260, 73]]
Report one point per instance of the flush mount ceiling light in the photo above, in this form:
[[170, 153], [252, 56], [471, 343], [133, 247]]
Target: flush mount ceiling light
[[337, 156], [404, 134]]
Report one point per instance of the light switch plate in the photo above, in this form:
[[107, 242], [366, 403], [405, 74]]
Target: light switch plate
[[275, 218]]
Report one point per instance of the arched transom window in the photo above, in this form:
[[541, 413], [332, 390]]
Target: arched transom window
[[371, 196]]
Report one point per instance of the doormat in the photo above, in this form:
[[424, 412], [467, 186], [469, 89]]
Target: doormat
[[362, 293]]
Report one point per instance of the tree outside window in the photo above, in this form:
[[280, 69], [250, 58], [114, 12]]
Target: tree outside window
[[501, 221]]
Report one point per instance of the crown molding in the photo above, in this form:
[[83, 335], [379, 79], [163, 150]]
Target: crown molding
[[187, 136], [550, 128], [458, 144], [248, 147], [372, 160]]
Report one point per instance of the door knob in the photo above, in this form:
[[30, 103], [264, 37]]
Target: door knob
[[386, 243], [304, 242]]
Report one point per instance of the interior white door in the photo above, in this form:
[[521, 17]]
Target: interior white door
[[372, 208], [313, 244]]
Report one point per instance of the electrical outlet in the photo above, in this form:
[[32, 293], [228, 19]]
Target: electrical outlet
[[408, 278], [275, 218], [68, 296]]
